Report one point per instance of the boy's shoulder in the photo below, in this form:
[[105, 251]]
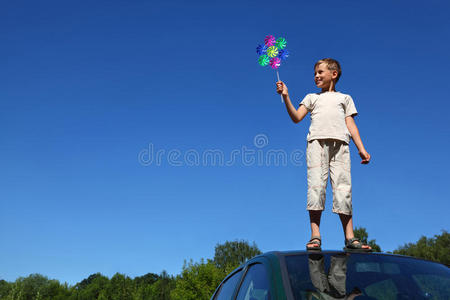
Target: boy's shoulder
[[337, 94]]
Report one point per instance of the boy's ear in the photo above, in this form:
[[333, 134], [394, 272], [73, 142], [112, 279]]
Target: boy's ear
[[334, 74]]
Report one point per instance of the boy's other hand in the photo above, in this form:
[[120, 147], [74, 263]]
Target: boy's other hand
[[365, 157], [282, 88]]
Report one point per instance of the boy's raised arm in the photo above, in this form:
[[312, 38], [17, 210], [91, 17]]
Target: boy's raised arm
[[296, 115]]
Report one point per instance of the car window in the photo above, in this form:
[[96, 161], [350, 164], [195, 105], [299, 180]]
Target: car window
[[227, 288], [255, 285], [383, 277], [431, 286], [384, 289]]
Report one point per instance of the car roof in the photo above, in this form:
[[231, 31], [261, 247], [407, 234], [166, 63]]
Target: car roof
[[274, 256], [278, 254]]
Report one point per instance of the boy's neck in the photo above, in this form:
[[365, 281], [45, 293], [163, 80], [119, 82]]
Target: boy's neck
[[331, 88]]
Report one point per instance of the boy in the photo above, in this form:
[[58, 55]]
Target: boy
[[332, 126]]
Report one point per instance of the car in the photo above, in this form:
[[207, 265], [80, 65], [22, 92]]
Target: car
[[295, 275]]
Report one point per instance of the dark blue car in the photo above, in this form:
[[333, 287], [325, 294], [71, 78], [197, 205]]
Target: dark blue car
[[335, 275]]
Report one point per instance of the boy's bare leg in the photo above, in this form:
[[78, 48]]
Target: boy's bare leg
[[347, 225], [314, 219]]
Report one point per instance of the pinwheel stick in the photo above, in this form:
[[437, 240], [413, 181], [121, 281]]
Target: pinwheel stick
[[281, 95]]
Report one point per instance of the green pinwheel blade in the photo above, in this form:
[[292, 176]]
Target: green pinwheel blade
[[281, 43], [264, 60]]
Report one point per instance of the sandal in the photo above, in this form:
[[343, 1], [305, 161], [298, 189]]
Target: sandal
[[351, 246], [316, 241]]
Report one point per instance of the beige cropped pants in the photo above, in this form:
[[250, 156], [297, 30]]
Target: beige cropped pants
[[332, 157]]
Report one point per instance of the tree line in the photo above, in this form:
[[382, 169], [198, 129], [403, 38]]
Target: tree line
[[197, 280]]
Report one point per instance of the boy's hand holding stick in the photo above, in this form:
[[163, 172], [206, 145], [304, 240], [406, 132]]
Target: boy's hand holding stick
[[282, 89]]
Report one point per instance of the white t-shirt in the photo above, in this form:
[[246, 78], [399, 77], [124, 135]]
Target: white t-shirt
[[328, 111]]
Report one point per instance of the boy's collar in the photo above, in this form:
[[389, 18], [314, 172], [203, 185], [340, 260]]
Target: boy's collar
[[323, 92]]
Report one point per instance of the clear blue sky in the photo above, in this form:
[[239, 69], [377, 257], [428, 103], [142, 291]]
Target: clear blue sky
[[86, 86]]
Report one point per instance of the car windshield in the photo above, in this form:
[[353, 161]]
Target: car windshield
[[366, 276]]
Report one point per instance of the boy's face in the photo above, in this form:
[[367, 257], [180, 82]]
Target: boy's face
[[323, 77]]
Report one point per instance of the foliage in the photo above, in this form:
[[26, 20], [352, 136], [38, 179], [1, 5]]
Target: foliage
[[5, 289], [197, 281], [91, 288], [95, 287], [34, 287], [162, 288], [120, 287], [361, 233], [435, 248], [147, 279], [231, 255]]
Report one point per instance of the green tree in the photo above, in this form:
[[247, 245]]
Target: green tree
[[29, 286], [162, 288], [90, 288], [197, 281], [230, 255], [86, 282], [147, 279], [143, 292], [361, 233], [35, 287], [15, 292], [102, 295], [435, 248], [54, 290], [5, 289], [120, 287], [144, 289]]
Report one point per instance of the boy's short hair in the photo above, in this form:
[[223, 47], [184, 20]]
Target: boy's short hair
[[332, 65]]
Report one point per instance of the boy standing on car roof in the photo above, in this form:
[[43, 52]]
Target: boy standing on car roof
[[332, 126]]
